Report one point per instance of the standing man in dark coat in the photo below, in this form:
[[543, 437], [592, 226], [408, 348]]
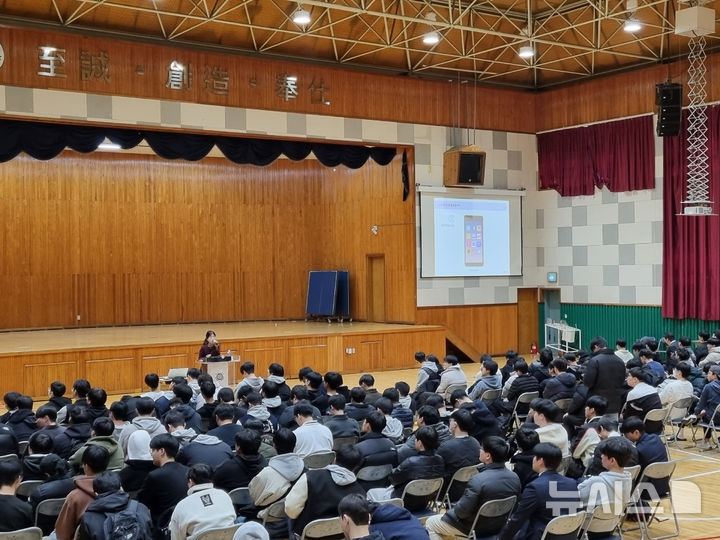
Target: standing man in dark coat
[[605, 375]]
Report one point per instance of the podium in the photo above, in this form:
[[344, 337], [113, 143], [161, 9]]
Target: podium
[[219, 371], [559, 336]]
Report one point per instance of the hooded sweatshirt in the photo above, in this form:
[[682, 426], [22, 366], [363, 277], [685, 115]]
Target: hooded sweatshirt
[[238, 471], [146, 423], [75, 504], [254, 382], [22, 422], [560, 387], [31, 467], [117, 456], [261, 413], [397, 523], [204, 508], [393, 429], [709, 398], [275, 480], [284, 390], [206, 449], [184, 436], [93, 520]]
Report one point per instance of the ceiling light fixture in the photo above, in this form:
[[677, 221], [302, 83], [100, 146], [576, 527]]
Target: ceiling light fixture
[[301, 16], [431, 38], [526, 51], [632, 25]]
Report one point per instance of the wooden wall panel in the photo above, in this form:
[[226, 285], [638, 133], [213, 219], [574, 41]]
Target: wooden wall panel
[[490, 329], [131, 240], [155, 361], [37, 377], [365, 353], [116, 371], [399, 351], [306, 354]]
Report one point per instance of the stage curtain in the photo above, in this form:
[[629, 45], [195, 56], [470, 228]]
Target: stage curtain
[[691, 244], [45, 141], [619, 155]]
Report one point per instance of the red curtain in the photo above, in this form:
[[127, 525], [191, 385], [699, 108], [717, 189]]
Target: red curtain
[[619, 155], [691, 244]]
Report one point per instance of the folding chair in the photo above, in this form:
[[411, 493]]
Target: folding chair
[[516, 419], [461, 477], [373, 473], [568, 524], [318, 460], [274, 512], [655, 418], [683, 404], [22, 447], [423, 487], [563, 404], [31, 533], [26, 488], [494, 509], [9, 457], [451, 388], [222, 533], [340, 441], [564, 465], [49, 508], [655, 471], [240, 497], [488, 396], [709, 425], [322, 528]]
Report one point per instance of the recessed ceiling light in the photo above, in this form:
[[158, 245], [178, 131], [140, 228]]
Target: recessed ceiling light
[[431, 38], [301, 17], [632, 25], [526, 51]]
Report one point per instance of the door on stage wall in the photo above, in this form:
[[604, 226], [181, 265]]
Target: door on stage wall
[[376, 288], [527, 318]]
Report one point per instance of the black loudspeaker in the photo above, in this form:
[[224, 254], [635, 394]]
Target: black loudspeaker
[[464, 166], [668, 98]]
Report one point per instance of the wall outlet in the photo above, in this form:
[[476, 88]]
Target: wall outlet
[[78, 317]]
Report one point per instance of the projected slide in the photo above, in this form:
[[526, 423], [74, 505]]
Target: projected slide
[[470, 236]]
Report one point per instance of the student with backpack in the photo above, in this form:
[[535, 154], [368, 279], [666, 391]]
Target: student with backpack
[[113, 515]]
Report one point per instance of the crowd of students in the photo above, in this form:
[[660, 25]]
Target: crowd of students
[[171, 457]]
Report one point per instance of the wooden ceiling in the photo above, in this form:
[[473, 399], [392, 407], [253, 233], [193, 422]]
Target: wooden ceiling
[[479, 40]]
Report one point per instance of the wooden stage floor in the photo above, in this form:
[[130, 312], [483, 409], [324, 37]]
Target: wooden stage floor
[[117, 358]]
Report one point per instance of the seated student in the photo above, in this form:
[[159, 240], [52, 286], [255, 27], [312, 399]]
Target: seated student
[[338, 422], [207, 409], [548, 496], [80, 390], [76, 434], [204, 448], [426, 464], [428, 375], [22, 421], [709, 400], [609, 491], [119, 417], [374, 447], [393, 428], [58, 482], [10, 399], [367, 383], [452, 374], [46, 421], [204, 508], [162, 404], [112, 500], [97, 397], [522, 462], [14, 513], [427, 416], [354, 514], [401, 412], [488, 378], [287, 418], [641, 399], [459, 451], [544, 414], [317, 491], [257, 410], [139, 462], [101, 435], [247, 370], [540, 368], [244, 465], [484, 422], [152, 381], [94, 461], [192, 419], [282, 471], [654, 370], [271, 398], [191, 378], [318, 399], [311, 435], [523, 382], [396, 523], [39, 446], [675, 388], [561, 384], [333, 382], [144, 421], [167, 485], [650, 449], [587, 437], [608, 429], [621, 350], [494, 481], [226, 429], [56, 393], [358, 409], [276, 374]]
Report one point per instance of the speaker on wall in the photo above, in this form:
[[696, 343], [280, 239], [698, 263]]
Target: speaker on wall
[[464, 166], [668, 98]]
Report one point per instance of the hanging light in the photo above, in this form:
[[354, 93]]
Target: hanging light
[[526, 51], [632, 25], [431, 38], [301, 16]]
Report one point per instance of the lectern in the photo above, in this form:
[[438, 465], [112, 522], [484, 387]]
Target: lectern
[[219, 371]]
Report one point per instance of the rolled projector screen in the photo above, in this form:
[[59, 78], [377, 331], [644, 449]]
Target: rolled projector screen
[[469, 235]]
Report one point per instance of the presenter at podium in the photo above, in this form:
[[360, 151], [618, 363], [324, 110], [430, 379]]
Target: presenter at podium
[[210, 347]]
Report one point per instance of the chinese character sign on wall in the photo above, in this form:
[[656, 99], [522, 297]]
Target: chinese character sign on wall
[[52, 62], [94, 66], [286, 86], [179, 76]]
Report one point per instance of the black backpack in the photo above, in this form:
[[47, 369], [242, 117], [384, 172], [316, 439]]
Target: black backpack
[[125, 525]]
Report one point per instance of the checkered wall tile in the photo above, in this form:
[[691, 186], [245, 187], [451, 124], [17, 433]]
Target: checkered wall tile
[[606, 248]]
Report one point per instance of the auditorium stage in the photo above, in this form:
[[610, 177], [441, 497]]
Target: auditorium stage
[[117, 358]]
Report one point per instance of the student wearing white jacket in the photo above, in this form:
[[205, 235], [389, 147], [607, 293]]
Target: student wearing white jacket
[[204, 508]]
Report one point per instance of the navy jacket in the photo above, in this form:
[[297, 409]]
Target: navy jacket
[[397, 523]]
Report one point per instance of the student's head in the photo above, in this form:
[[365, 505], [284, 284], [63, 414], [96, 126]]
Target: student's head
[[152, 381], [462, 421], [392, 394], [253, 399], [616, 451], [81, 387], [207, 390], [95, 459], [596, 406], [349, 457], [490, 366], [458, 396], [403, 388], [200, 473], [174, 420], [633, 428], [303, 410], [545, 411], [25, 403], [684, 341], [635, 376], [426, 439], [545, 356], [247, 442], [40, 443], [526, 439], [333, 380], [353, 510], [303, 371], [144, 406], [682, 370], [103, 427], [546, 456], [429, 415], [247, 368], [606, 426], [57, 388], [225, 395], [270, 389], [621, 343], [163, 446], [276, 369], [435, 400], [494, 449], [183, 392], [376, 422], [384, 405], [357, 395], [299, 392], [420, 357], [79, 415], [703, 335], [284, 440], [559, 365], [224, 412], [106, 482], [45, 416], [337, 403], [54, 467], [366, 381], [520, 366], [646, 355], [450, 360], [313, 380], [193, 373], [10, 399], [10, 473], [118, 411]]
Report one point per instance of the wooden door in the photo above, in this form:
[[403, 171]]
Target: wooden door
[[527, 318]]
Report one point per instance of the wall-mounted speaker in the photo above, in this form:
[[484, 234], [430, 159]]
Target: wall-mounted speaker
[[668, 98], [464, 166]]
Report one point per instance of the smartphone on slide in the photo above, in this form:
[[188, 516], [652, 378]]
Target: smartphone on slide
[[474, 241]]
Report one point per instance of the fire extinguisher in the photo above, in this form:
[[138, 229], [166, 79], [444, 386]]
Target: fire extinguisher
[[533, 348]]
